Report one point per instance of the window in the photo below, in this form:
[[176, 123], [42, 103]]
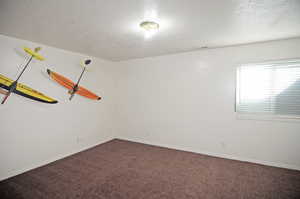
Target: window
[[269, 88]]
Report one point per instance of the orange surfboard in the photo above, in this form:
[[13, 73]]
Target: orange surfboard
[[69, 84]]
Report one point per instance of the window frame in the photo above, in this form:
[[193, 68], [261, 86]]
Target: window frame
[[259, 115]]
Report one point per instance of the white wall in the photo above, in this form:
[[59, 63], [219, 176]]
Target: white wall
[[33, 133], [186, 101], [183, 101]]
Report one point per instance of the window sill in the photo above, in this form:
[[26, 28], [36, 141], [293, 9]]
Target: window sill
[[265, 117]]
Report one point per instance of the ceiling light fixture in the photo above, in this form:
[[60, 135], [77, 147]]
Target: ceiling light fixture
[[150, 28]]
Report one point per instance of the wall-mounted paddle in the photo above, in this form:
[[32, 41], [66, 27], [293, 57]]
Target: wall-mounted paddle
[[20, 89], [74, 88]]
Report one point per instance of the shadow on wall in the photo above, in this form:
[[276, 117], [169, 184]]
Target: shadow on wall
[[288, 101]]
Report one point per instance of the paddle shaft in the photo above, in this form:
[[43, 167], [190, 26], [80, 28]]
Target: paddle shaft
[[75, 88], [81, 76], [24, 68], [14, 85]]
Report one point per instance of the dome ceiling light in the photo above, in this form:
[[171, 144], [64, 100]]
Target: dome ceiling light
[[150, 28]]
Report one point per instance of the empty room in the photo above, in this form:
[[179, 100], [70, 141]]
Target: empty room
[[150, 99]]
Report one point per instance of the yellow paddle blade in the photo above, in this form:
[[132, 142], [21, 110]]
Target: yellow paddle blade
[[34, 53], [24, 91]]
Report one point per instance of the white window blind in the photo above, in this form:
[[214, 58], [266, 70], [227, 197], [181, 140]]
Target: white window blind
[[269, 88]]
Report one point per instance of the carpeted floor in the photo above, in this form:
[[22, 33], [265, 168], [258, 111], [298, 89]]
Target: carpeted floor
[[126, 170]]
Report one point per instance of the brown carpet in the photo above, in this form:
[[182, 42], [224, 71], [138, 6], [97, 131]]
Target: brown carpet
[[127, 170]]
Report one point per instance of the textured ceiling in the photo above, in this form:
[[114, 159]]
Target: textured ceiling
[[109, 28]]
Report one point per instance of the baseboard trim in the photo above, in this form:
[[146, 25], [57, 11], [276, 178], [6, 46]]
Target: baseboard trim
[[226, 156], [43, 163], [219, 155]]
